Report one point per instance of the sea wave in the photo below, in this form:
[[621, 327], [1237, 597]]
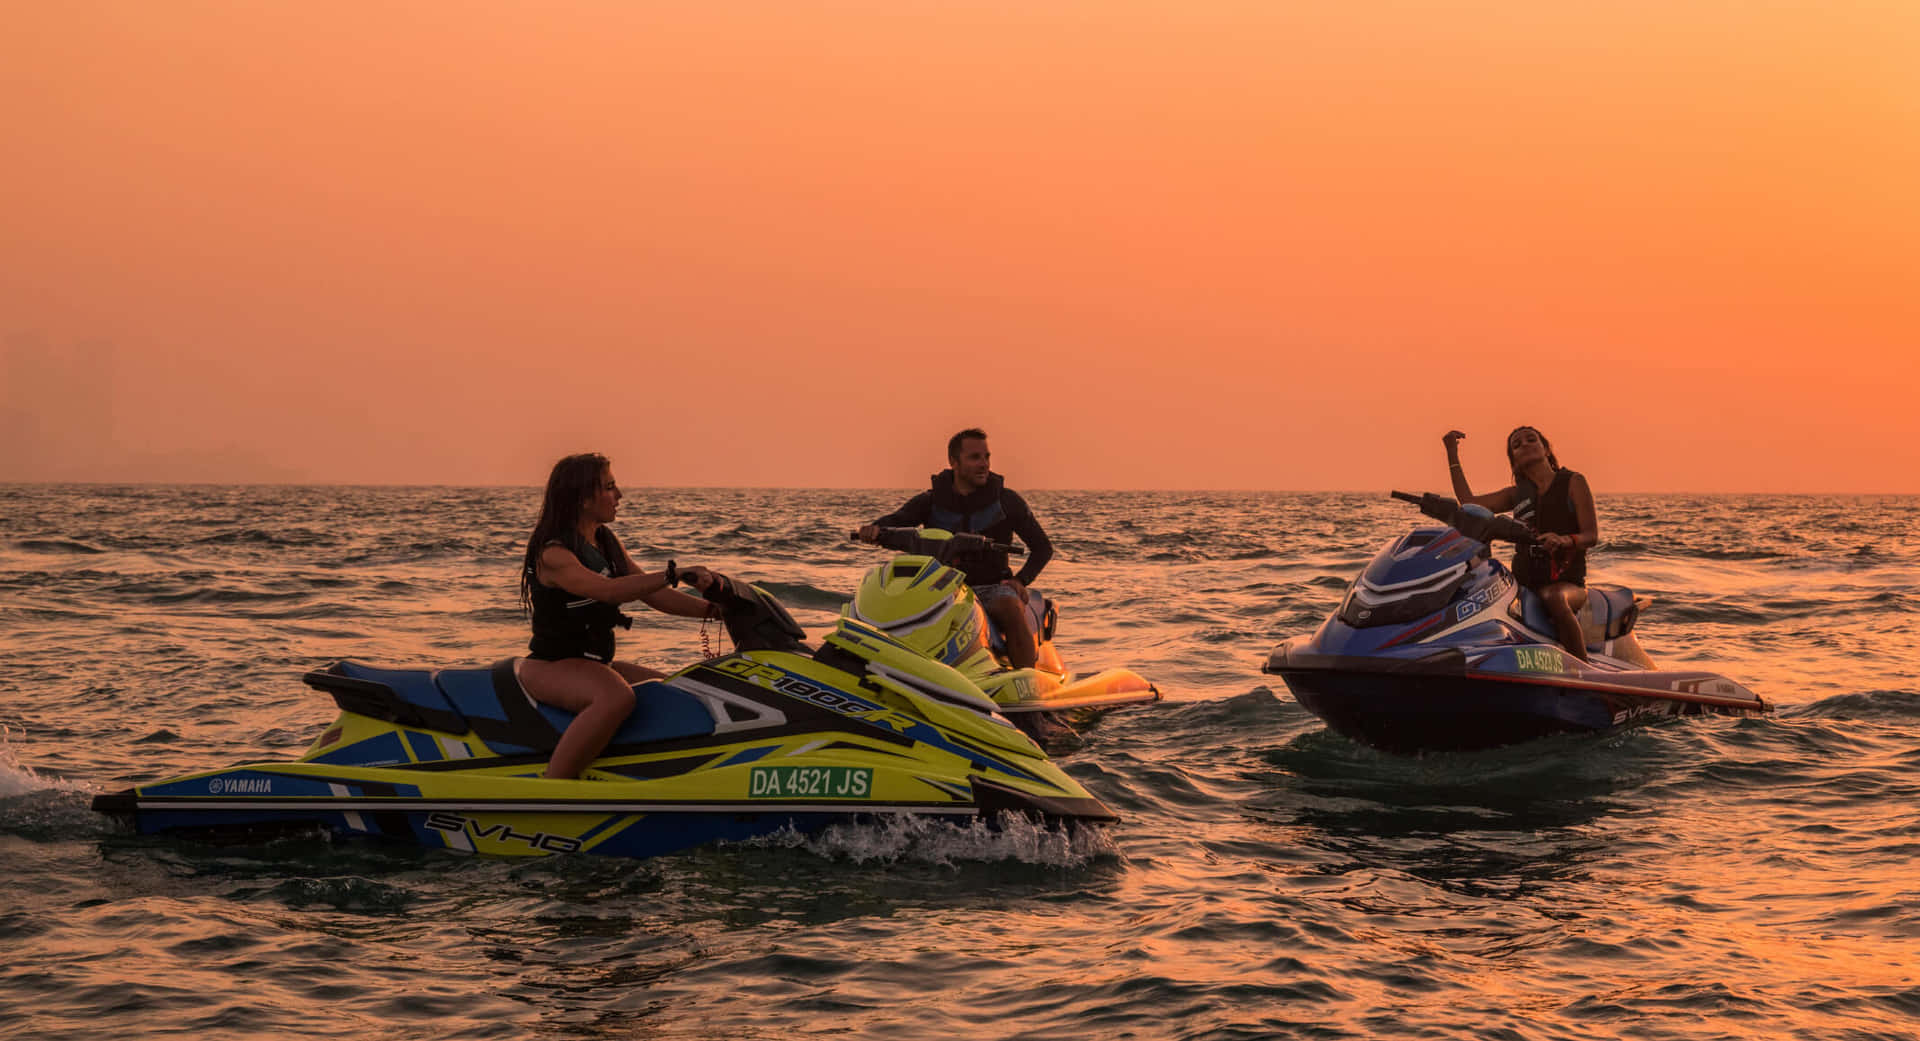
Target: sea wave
[[54, 546], [1880, 706]]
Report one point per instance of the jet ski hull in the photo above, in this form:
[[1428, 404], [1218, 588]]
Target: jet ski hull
[[1018, 691], [1412, 711], [600, 819]]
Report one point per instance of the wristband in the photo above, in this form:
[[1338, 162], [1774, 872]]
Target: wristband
[[673, 574]]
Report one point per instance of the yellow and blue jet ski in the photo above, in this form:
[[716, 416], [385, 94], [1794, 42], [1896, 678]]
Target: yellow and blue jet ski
[[919, 599], [775, 735]]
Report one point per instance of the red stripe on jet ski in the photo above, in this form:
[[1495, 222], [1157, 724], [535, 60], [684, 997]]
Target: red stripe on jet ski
[[1431, 621], [1617, 688]]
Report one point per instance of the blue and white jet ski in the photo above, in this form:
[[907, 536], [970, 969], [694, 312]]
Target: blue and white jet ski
[[1435, 647]]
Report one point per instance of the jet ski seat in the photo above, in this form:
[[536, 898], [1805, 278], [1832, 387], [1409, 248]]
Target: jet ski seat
[[408, 697], [1609, 614], [1040, 615], [661, 712], [493, 705]]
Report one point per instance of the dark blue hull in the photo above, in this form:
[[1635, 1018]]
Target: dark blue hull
[[1410, 714], [633, 836]]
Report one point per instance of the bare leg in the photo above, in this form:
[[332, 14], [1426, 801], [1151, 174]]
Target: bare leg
[[1011, 615], [600, 698], [1564, 601], [637, 673]]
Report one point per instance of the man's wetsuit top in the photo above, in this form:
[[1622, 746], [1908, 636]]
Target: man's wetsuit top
[[1549, 512], [569, 626], [989, 510]]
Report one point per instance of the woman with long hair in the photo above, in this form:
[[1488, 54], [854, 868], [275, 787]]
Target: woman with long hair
[[1556, 504], [572, 581]]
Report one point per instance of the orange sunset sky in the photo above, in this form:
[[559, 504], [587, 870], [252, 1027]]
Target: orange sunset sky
[[1145, 243]]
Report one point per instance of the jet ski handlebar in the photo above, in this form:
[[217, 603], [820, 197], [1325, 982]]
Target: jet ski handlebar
[[943, 546], [1473, 521], [755, 619], [1439, 507]]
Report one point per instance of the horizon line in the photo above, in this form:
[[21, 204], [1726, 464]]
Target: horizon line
[[845, 488]]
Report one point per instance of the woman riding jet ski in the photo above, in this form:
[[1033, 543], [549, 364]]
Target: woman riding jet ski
[[776, 735], [1436, 647], [919, 599]]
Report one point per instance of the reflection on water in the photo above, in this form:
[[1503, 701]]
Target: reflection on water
[[1699, 879]]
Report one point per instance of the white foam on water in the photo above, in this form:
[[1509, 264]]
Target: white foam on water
[[17, 778], [940, 841]]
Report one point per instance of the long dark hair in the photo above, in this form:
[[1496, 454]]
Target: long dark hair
[[573, 481], [1544, 443]]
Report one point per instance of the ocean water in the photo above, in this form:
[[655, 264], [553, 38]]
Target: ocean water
[[1708, 878]]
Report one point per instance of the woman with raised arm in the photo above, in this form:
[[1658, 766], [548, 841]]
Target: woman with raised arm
[[572, 581], [1556, 504]]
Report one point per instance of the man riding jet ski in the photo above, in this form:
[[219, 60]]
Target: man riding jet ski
[[1436, 647], [775, 735], [920, 599], [969, 497]]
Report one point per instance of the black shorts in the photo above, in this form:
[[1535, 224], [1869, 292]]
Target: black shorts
[[591, 646], [1534, 568]]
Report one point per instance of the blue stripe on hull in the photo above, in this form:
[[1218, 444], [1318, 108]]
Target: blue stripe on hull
[[240, 822], [662, 833], [635, 836]]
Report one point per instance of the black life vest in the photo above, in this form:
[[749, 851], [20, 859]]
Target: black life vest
[[981, 511], [569, 626], [1549, 512]]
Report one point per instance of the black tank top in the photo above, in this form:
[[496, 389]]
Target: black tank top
[[569, 626], [1549, 512]]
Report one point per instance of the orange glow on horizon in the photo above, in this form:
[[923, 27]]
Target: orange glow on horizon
[[1144, 245]]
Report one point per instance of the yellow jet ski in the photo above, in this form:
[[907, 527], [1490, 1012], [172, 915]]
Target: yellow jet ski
[[920, 600], [776, 735]]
